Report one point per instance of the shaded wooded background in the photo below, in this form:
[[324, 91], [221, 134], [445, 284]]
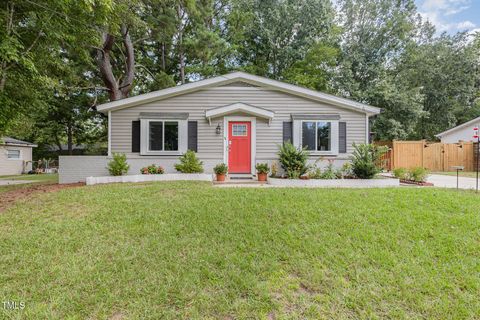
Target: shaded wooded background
[[60, 58]]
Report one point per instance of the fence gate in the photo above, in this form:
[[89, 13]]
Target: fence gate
[[432, 156]]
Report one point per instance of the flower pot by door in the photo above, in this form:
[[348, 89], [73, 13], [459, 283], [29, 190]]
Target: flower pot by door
[[220, 177], [262, 176]]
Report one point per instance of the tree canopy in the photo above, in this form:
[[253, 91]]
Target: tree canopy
[[60, 58]]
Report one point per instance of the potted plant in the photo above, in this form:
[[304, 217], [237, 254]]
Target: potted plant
[[220, 170], [262, 171]]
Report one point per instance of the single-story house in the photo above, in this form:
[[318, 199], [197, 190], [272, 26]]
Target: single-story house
[[15, 156], [238, 119], [463, 132]]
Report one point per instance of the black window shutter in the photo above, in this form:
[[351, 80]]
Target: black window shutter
[[136, 136], [192, 135], [342, 137], [287, 131]]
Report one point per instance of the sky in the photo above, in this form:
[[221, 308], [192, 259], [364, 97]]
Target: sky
[[451, 16]]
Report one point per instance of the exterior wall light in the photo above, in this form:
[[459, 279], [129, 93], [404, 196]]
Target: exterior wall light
[[218, 129]]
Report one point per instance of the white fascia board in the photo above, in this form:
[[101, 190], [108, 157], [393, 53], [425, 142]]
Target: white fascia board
[[239, 76], [160, 94], [239, 107], [308, 93], [30, 145], [466, 124]]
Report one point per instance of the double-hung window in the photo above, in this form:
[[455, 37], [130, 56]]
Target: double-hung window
[[163, 136], [317, 135]]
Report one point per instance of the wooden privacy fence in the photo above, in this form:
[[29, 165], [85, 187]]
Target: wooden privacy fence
[[432, 156]]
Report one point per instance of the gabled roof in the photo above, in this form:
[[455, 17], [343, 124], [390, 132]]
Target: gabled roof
[[15, 142], [239, 107], [234, 77], [464, 125]]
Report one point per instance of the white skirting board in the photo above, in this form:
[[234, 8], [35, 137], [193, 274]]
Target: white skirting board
[[335, 183], [150, 177]]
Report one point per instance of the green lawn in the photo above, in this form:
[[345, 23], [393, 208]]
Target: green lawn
[[192, 251], [461, 174]]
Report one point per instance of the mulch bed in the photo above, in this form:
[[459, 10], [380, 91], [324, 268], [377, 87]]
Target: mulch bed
[[421, 184], [8, 198]]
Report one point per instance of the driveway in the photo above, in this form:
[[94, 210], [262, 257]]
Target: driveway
[[444, 181], [6, 182]]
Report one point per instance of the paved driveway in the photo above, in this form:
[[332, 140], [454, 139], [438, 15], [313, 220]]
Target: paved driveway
[[444, 181], [6, 182]]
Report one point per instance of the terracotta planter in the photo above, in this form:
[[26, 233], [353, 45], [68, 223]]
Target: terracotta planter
[[261, 176], [220, 177]]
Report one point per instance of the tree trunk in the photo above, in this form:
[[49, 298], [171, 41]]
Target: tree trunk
[[70, 138], [58, 143], [182, 66], [181, 56], [3, 79], [117, 90], [163, 57], [127, 83], [9, 27]]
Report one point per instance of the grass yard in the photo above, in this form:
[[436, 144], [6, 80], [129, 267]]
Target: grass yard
[[186, 250], [466, 174]]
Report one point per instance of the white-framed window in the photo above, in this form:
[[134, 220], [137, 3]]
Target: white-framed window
[[317, 136], [163, 136], [13, 154]]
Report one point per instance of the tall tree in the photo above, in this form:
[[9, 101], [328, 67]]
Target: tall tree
[[269, 36], [375, 36]]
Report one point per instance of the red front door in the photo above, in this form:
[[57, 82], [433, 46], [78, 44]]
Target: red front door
[[239, 151]]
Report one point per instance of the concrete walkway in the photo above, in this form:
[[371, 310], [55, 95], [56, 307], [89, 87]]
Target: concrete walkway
[[444, 181], [6, 182]]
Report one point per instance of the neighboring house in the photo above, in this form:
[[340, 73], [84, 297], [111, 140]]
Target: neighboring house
[[239, 119], [15, 156], [463, 132]]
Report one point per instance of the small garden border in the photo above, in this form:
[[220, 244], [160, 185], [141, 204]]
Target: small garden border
[[417, 183], [150, 177], [335, 183]]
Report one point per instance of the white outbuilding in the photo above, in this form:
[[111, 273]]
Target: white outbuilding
[[463, 132]]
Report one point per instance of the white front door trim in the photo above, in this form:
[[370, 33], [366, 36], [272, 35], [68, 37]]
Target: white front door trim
[[253, 138]]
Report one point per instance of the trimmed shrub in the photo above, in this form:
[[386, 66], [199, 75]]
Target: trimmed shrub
[[401, 173], [293, 160], [220, 168], [118, 166], [189, 163], [365, 160], [418, 174]]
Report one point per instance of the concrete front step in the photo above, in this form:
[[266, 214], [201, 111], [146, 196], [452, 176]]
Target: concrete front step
[[240, 181]]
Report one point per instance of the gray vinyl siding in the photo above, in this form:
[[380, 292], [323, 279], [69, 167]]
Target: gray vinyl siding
[[210, 145]]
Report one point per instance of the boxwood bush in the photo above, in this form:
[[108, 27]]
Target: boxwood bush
[[293, 160]]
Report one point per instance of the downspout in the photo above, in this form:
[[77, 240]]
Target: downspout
[[367, 131], [109, 133]]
